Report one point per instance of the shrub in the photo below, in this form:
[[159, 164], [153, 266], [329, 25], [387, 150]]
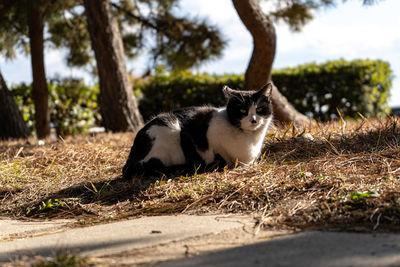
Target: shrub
[[73, 105], [317, 90], [164, 92]]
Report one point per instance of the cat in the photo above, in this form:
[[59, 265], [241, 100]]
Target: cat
[[203, 137]]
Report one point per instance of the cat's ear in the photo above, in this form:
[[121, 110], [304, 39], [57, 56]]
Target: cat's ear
[[228, 92], [266, 90]]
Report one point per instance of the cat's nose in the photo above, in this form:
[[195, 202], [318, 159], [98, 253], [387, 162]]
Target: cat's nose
[[253, 119]]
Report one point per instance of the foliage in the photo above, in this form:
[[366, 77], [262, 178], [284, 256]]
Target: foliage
[[180, 42], [14, 22], [73, 105], [318, 90], [357, 196], [164, 91], [151, 26], [360, 86], [297, 13], [61, 258], [146, 25]]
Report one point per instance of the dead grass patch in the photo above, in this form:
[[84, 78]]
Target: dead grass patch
[[338, 174]]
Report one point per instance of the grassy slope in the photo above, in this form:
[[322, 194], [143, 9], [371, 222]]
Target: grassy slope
[[344, 175]]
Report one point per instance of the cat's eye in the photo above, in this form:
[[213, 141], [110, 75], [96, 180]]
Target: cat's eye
[[243, 111], [259, 109]]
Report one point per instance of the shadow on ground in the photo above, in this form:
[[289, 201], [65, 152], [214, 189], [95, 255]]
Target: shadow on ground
[[303, 202], [306, 249], [71, 201], [46, 251]]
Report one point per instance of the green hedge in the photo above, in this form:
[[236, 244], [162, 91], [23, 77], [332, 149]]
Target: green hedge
[[73, 105], [316, 90], [164, 92]]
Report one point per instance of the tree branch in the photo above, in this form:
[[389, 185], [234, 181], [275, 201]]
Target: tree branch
[[138, 18]]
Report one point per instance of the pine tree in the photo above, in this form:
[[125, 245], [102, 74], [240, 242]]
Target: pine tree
[[179, 43]]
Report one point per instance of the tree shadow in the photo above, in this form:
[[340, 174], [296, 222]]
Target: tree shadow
[[310, 248]]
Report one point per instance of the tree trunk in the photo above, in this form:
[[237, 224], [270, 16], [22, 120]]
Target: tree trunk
[[118, 105], [12, 124], [40, 92], [258, 72]]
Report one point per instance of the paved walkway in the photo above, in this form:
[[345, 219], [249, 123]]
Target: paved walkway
[[19, 239], [306, 249], [185, 240]]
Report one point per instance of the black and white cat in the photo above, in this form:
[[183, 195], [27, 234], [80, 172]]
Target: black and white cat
[[195, 137]]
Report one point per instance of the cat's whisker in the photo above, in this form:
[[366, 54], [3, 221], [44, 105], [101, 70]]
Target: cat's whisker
[[237, 97], [241, 96]]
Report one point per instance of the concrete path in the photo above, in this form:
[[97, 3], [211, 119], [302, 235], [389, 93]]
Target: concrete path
[[13, 229], [106, 239], [185, 240], [306, 249]]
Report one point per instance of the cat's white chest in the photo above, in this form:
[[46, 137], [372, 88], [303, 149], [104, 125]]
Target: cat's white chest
[[232, 143]]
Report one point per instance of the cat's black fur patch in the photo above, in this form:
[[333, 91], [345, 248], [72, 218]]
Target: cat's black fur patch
[[194, 123], [142, 145]]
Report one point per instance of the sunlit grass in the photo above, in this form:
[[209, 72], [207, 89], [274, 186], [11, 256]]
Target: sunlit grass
[[341, 174]]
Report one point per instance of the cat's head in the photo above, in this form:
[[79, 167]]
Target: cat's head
[[249, 110]]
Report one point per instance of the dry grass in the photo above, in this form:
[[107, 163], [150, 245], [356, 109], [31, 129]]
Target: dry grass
[[341, 174]]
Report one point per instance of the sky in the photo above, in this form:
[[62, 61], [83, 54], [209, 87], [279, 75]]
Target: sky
[[349, 31]]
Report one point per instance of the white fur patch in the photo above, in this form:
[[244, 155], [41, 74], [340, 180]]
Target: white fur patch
[[167, 144], [208, 156], [232, 143]]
